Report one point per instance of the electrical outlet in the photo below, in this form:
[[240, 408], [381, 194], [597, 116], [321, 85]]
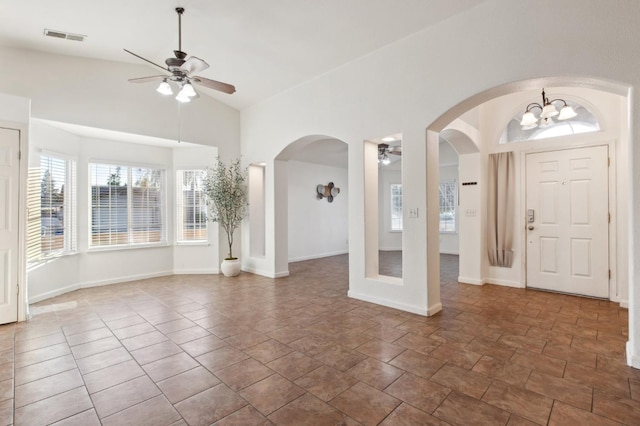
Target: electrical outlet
[[413, 213]]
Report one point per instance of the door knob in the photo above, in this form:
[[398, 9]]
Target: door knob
[[530, 227]]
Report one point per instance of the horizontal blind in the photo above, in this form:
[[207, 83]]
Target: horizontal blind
[[191, 206], [109, 205], [53, 208], [396, 207], [126, 205], [34, 245]]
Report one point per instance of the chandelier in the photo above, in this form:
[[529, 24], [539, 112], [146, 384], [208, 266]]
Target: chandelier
[[547, 111]]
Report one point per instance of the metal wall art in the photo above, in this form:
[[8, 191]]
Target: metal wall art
[[327, 191]]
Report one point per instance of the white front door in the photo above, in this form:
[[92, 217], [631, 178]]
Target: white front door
[[567, 219], [9, 226]]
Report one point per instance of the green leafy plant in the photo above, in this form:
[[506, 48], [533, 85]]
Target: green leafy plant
[[226, 190]]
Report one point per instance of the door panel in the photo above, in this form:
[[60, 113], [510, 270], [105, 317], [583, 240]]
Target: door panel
[[568, 241], [9, 231]]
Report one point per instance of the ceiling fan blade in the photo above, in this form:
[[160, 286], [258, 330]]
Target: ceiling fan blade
[[395, 150], [194, 65], [146, 60], [148, 79], [216, 85]]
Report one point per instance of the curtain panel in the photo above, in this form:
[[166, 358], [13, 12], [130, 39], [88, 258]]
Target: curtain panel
[[501, 209]]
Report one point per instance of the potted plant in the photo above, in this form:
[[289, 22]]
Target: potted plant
[[226, 191]]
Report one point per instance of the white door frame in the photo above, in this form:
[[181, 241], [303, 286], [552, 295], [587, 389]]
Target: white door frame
[[22, 215], [521, 221]]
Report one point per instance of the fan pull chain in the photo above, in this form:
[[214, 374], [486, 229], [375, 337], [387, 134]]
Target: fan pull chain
[[179, 122]]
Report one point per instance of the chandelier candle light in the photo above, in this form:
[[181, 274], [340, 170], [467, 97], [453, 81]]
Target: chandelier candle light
[[547, 111]]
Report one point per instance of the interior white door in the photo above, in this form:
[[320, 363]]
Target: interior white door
[[9, 231], [567, 203]]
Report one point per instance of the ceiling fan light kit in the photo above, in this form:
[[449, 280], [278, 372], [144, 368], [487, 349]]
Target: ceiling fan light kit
[[383, 153], [182, 72]]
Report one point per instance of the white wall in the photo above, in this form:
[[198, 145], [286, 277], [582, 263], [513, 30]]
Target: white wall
[[397, 89], [317, 228], [96, 267]]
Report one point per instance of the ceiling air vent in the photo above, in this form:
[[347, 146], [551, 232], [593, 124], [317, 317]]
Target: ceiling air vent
[[64, 35]]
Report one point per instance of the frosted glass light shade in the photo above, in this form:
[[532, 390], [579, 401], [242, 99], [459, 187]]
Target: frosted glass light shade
[[164, 88], [188, 90], [566, 113], [528, 119], [548, 111], [182, 97]]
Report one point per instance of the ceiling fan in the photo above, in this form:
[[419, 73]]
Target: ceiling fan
[[182, 72], [384, 150]]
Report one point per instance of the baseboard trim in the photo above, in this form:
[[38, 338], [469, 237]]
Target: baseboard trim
[[267, 274], [632, 359], [317, 256], [209, 271], [391, 304], [434, 309], [624, 304], [467, 280], [505, 283], [98, 283]]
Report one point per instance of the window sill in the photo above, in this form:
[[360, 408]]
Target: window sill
[[192, 243], [38, 263], [99, 249], [395, 231], [449, 232]]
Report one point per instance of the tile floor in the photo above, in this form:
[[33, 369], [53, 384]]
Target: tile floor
[[203, 350]]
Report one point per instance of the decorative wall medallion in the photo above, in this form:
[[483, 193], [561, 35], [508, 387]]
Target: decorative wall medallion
[[327, 191]]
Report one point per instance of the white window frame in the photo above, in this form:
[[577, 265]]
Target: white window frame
[[180, 206], [69, 222], [393, 227], [128, 179], [451, 207]]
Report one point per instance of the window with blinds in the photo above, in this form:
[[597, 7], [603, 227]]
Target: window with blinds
[[396, 207], [127, 205], [448, 204], [191, 214], [51, 203]]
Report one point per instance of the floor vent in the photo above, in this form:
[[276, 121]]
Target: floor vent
[[64, 35]]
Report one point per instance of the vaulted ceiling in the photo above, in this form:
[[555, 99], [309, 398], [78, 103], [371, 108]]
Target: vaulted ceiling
[[262, 47]]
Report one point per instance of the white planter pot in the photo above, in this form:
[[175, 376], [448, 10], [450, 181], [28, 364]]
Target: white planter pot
[[230, 268]]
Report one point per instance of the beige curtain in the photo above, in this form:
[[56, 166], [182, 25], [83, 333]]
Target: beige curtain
[[501, 209]]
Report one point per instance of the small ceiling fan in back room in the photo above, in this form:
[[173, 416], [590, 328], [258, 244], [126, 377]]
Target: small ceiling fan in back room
[[182, 72]]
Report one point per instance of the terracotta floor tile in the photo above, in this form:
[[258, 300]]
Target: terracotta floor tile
[[221, 358], [340, 358], [326, 382], [175, 325], [527, 404], [103, 360], [239, 376], [143, 340], [365, 404], [467, 382], [406, 415], [111, 376], [210, 405], [134, 330], [294, 365], [244, 416], [287, 335], [380, 350], [564, 390], [95, 347], [6, 412], [420, 393], [188, 334], [6, 389], [154, 411], [563, 414], [155, 352], [202, 345], [543, 363], [187, 384], [85, 418], [42, 354], [375, 373], [124, 395], [623, 410], [490, 348], [125, 322], [597, 379], [268, 351], [271, 393], [307, 410], [570, 354], [47, 387], [507, 372], [417, 343], [53, 409], [419, 364], [44, 369], [37, 343], [459, 409], [386, 333], [598, 346], [529, 343], [311, 345], [454, 353]]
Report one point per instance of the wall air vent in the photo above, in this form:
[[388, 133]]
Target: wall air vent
[[64, 35]]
